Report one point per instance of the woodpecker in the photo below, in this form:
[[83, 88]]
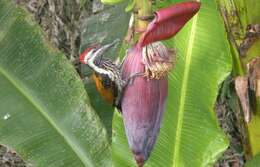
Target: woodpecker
[[107, 74]]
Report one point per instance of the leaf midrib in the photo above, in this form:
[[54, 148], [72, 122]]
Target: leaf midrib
[[74, 147], [183, 91]]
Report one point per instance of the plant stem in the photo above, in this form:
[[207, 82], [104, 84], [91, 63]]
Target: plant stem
[[231, 23], [144, 9]]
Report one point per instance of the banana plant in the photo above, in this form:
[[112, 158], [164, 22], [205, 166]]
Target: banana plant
[[189, 134]]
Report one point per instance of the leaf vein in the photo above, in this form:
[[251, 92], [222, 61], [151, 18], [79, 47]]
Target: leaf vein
[[183, 91]]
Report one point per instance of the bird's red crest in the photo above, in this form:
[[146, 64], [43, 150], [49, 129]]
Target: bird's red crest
[[84, 54]]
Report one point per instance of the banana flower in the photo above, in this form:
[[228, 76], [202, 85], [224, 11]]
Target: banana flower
[[143, 101]]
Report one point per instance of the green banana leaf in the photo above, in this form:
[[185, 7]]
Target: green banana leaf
[[189, 135], [45, 113]]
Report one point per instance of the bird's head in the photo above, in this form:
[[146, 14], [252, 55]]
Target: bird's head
[[95, 51], [87, 54]]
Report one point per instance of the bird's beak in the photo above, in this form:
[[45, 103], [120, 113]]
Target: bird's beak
[[104, 48]]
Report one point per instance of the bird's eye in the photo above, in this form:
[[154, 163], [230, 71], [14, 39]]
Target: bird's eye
[[94, 50]]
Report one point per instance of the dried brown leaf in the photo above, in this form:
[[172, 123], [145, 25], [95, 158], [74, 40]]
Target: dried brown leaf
[[241, 86]]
